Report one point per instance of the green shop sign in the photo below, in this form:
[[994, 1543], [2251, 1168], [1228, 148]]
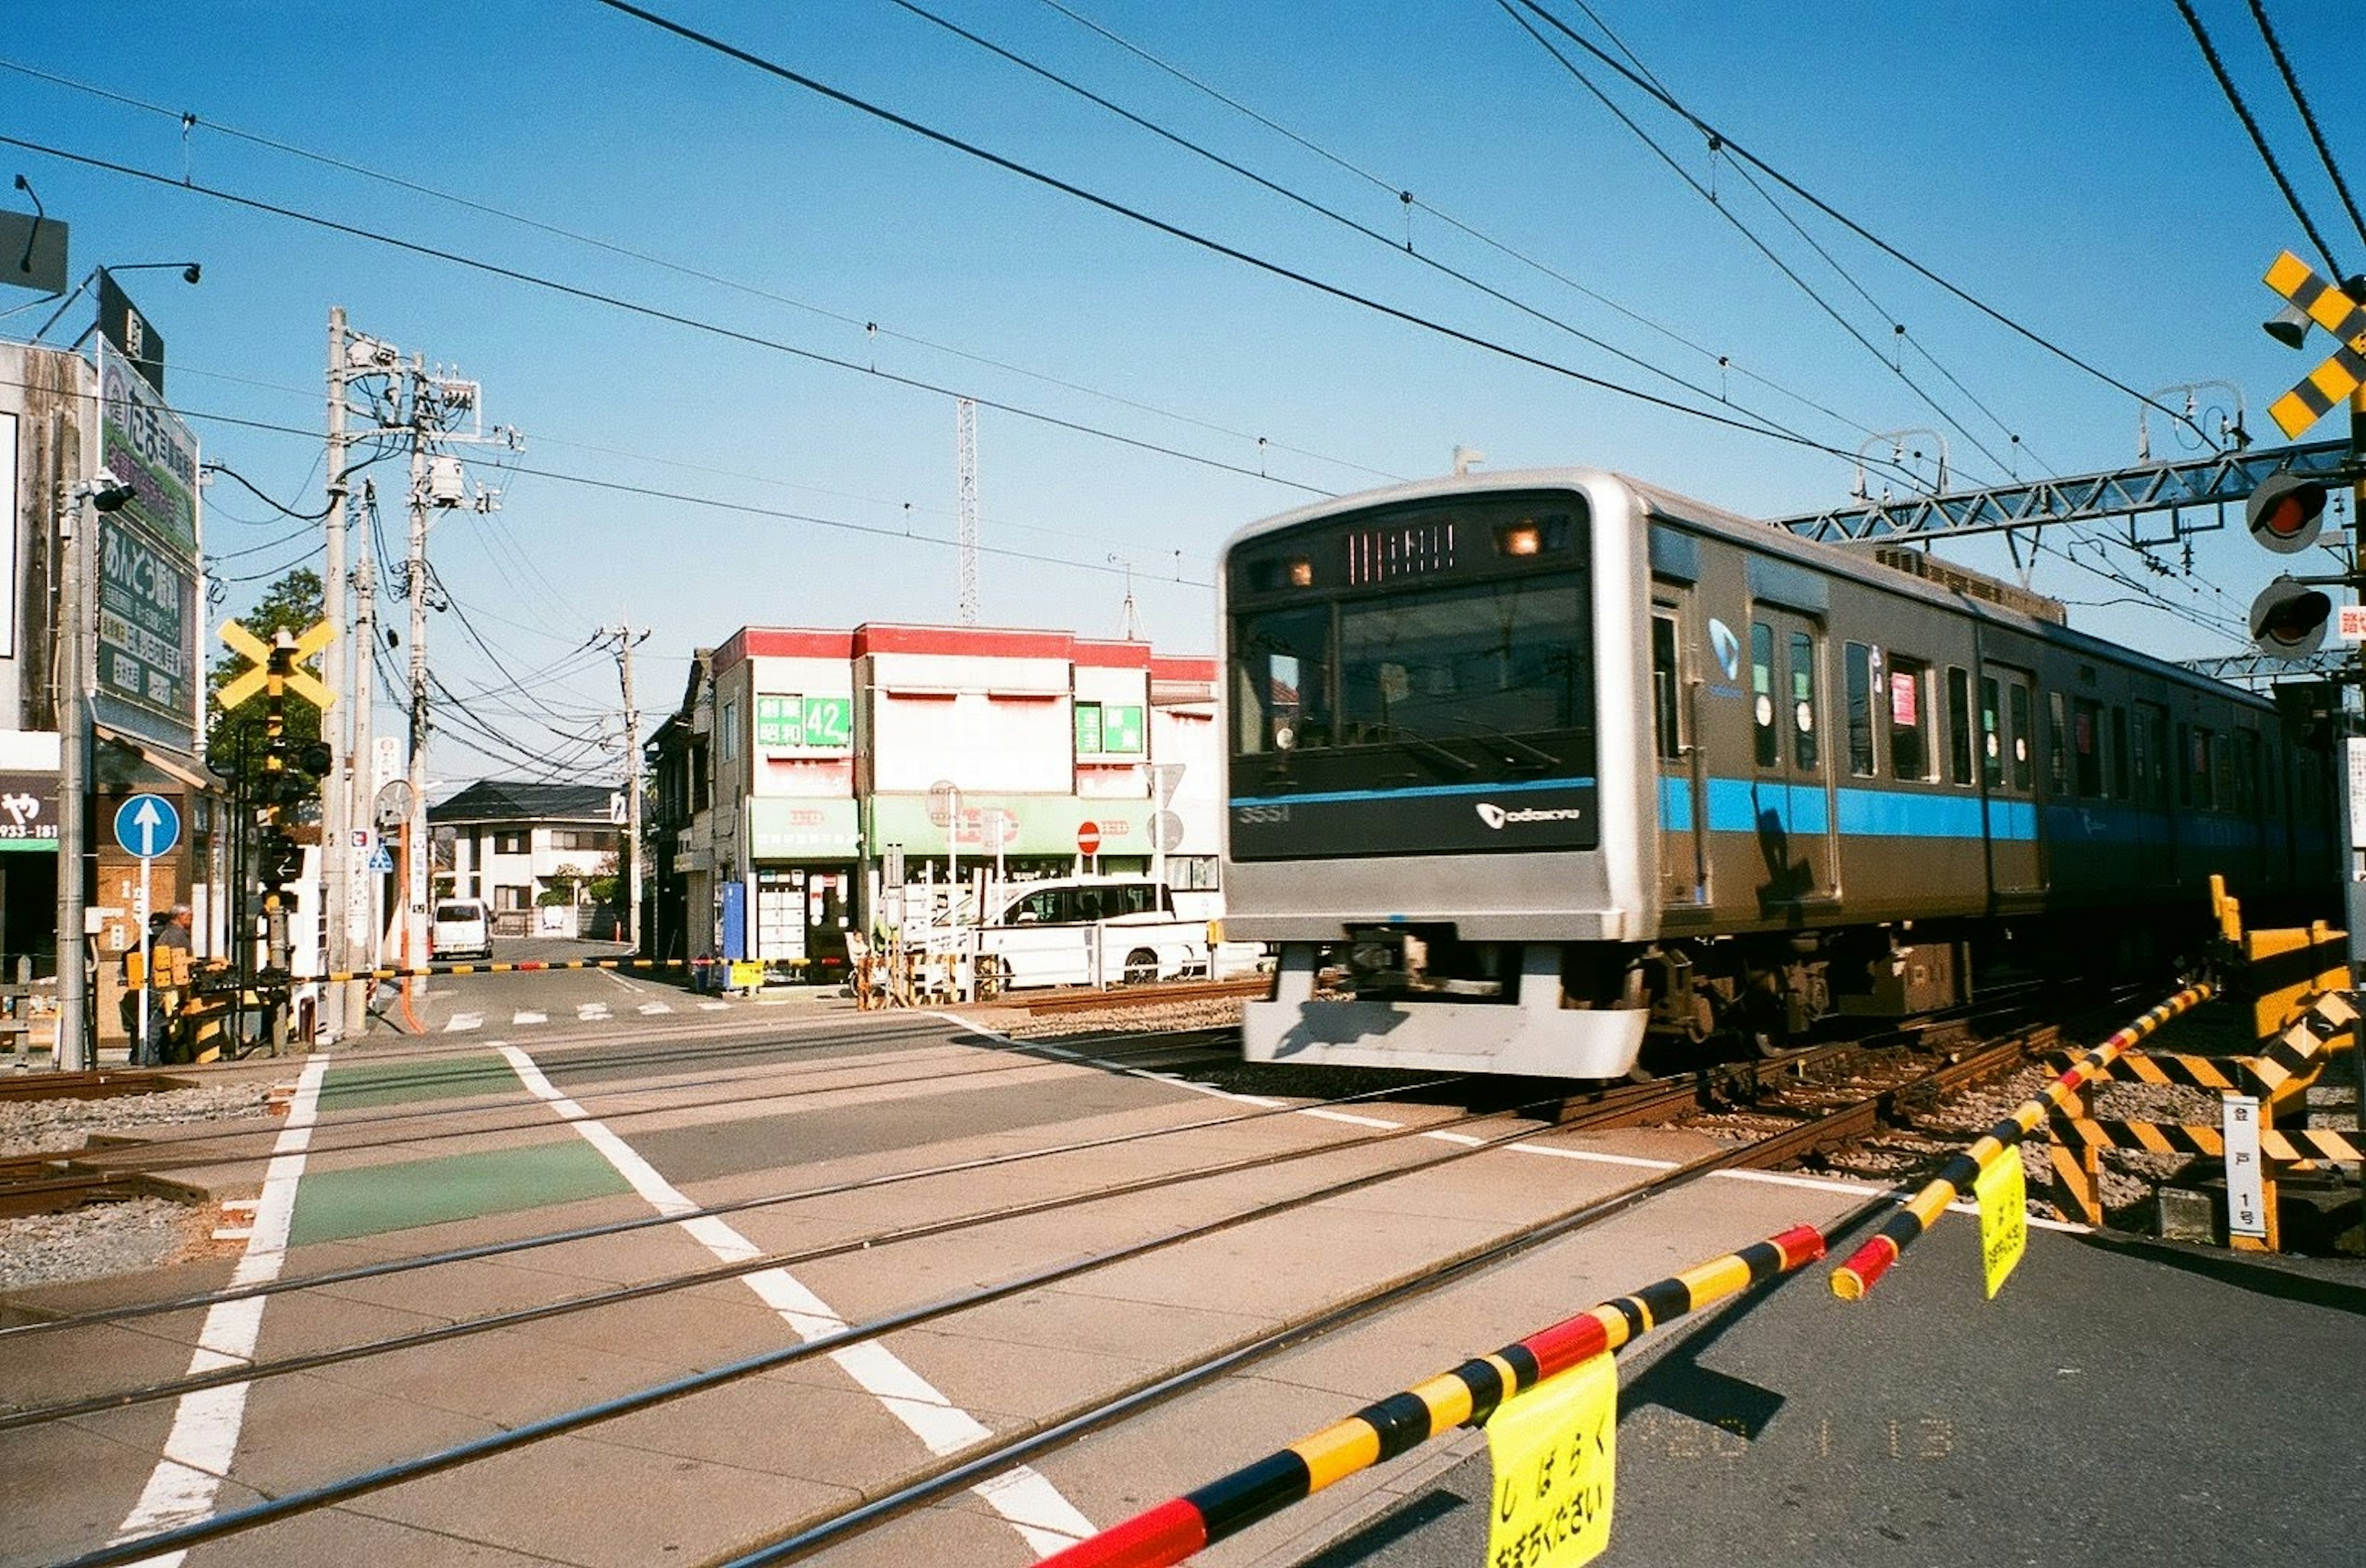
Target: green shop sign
[[1106, 730], [785, 723]]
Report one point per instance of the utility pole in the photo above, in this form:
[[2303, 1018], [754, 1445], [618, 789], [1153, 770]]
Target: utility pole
[[336, 791], [73, 784], [416, 852], [629, 856]]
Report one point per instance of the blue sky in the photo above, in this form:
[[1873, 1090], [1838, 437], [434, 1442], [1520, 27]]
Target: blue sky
[[2075, 168]]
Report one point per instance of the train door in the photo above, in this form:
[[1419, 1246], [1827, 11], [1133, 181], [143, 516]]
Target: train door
[[1684, 799], [1792, 782], [2009, 764]]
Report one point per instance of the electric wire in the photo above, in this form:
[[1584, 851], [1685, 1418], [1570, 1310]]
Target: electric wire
[[1734, 148], [1309, 205], [2234, 97], [869, 327], [1723, 362], [2307, 116], [1187, 236], [1726, 211]]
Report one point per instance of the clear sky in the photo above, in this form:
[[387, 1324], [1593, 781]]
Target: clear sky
[[2075, 168]]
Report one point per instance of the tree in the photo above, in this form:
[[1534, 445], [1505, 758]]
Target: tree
[[293, 603]]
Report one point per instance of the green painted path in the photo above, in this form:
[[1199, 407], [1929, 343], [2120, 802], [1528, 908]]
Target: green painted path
[[333, 1205]]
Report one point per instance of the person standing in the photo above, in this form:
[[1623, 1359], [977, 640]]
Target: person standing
[[168, 974]]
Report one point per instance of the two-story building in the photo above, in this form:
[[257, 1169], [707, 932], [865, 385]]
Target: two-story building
[[531, 851], [803, 763]]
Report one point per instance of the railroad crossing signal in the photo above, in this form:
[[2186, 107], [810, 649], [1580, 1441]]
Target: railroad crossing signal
[[2344, 369], [301, 681]]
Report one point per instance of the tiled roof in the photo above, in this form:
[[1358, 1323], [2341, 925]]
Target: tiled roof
[[504, 800]]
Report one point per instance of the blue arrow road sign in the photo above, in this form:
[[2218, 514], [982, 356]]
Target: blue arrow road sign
[[147, 826]]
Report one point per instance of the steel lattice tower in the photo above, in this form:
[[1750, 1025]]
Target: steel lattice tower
[[966, 459]]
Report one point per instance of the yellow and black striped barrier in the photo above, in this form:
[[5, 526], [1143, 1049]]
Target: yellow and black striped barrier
[[2280, 1145], [522, 967], [1466, 1396], [1870, 1262]]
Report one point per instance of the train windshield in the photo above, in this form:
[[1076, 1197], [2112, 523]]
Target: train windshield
[[1463, 671]]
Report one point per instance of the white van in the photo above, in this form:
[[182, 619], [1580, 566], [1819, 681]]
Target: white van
[[462, 928], [1079, 931]]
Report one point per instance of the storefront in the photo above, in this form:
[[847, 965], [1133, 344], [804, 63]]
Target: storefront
[[800, 898]]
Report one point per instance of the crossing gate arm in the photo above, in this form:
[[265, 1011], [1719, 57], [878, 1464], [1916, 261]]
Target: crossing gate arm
[[1865, 1266], [1466, 1395]]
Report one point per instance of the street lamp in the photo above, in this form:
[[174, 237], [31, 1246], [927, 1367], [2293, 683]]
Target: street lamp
[[106, 494], [190, 272]]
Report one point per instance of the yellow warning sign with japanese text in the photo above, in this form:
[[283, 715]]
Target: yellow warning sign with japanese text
[[1554, 1451], [2003, 1191]]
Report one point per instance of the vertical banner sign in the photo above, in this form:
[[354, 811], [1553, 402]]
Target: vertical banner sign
[[1555, 1453], [2002, 1187], [2247, 1189], [9, 532], [2355, 748], [147, 564], [1089, 730], [780, 722]]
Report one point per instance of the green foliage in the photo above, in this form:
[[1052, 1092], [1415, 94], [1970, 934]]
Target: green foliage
[[293, 603]]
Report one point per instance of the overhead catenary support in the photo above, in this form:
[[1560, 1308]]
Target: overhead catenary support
[[628, 851]]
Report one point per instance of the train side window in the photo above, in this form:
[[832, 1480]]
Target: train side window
[[2187, 754], [1959, 724], [2246, 771], [1911, 756], [2225, 784], [2057, 744], [1804, 723], [2087, 747], [1667, 683], [1762, 689], [2025, 766], [2120, 769], [1860, 662], [1992, 733]]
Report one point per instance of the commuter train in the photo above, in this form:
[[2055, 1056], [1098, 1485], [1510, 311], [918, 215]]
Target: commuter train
[[1524, 765]]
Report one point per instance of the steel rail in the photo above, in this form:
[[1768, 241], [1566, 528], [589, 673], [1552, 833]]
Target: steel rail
[[510, 1440], [1057, 1432], [397, 1265], [131, 1161], [253, 1371]]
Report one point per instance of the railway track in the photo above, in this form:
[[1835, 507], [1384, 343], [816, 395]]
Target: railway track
[[1084, 1000], [1465, 1136], [104, 1083]]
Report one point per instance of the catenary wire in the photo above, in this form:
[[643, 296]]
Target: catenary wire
[[2307, 116], [2234, 97]]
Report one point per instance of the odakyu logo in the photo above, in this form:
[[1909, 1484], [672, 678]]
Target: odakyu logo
[[1495, 817], [1728, 647]]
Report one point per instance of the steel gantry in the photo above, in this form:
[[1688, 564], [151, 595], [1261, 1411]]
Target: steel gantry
[[2136, 490]]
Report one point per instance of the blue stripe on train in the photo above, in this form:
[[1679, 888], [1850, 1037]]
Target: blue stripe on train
[[1743, 805]]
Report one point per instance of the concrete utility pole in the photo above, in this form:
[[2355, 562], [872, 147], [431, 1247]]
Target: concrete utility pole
[[629, 852], [966, 460], [73, 784], [416, 852], [336, 791]]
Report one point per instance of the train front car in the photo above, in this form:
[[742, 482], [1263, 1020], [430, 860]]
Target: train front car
[[1438, 795]]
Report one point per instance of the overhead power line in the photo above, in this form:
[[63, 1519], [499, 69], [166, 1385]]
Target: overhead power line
[[2307, 116], [2234, 96], [1192, 237], [1727, 144]]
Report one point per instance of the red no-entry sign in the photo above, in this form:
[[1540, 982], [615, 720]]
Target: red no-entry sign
[[1088, 838]]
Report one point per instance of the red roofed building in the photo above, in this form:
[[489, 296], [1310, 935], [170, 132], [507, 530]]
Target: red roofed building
[[802, 760]]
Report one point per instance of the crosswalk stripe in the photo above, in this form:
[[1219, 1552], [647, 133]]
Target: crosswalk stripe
[[531, 1018], [462, 1021], [650, 1010], [591, 1012], [714, 1007]]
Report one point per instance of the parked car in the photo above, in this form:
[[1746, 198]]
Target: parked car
[[461, 929], [1084, 931]]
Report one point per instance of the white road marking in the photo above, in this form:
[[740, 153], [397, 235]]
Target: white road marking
[[714, 1007], [650, 1010], [206, 1423], [530, 1018], [1044, 1518], [619, 979], [592, 1012], [464, 1022]]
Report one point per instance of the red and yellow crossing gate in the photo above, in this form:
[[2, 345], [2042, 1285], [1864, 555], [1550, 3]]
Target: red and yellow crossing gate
[[2300, 1012]]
